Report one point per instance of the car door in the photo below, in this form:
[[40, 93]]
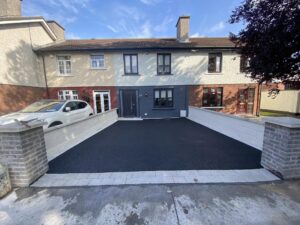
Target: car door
[[83, 110], [73, 114]]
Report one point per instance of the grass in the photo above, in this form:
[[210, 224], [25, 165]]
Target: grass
[[269, 113]]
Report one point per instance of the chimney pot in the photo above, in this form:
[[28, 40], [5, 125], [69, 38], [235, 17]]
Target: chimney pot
[[182, 26]]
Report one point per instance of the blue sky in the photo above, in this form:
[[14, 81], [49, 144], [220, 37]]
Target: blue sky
[[135, 18]]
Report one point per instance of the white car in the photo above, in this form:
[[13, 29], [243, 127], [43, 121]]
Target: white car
[[53, 112]]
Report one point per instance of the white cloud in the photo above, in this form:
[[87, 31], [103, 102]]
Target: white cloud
[[128, 12], [63, 11], [150, 2], [217, 27], [70, 35], [165, 24], [113, 29], [145, 30], [197, 35]]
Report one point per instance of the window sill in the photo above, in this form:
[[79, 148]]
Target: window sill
[[207, 73], [98, 68], [163, 108], [131, 74], [69, 75]]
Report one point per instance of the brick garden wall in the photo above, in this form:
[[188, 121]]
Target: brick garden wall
[[24, 153], [281, 150]]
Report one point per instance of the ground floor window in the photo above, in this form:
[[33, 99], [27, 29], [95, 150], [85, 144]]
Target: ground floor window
[[163, 98], [101, 101], [67, 95], [212, 97]]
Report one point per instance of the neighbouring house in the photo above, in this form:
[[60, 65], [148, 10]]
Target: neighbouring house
[[148, 78], [22, 78]]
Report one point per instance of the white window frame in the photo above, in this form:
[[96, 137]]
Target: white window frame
[[62, 94], [98, 67], [102, 100], [65, 73]]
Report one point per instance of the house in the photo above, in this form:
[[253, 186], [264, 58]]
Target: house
[[147, 78], [22, 79]]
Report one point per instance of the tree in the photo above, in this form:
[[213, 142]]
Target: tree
[[270, 39]]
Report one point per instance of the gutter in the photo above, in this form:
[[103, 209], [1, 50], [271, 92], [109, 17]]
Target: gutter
[[41, 49]]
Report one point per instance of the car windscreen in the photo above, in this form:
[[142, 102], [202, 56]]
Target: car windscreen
[[43, 106]]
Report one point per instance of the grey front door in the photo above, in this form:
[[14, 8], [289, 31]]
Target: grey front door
[[129, 103]]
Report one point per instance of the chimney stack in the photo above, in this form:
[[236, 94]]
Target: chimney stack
[[10, 8], [183, 29]]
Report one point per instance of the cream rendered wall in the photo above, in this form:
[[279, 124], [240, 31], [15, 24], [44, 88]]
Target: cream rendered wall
[[19, 64], [82, 74], [187, 69], [285, 101]]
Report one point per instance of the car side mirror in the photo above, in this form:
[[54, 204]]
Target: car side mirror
[[67, 109]]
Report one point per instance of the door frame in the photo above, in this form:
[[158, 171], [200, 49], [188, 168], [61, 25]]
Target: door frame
[[137, 105], [102, 105], [246, 101]]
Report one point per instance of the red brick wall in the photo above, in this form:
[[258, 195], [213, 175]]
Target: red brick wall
[[86, 92], [14, 97], [230, 96]]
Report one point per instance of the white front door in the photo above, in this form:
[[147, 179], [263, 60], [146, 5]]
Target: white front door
[[101, 101]]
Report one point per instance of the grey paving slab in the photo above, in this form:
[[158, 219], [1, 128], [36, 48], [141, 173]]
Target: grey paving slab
[[155, 177], [276, 203]]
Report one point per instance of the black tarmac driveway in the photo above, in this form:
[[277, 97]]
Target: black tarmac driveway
[[150, 145]]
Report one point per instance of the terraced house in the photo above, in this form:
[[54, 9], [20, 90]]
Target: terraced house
[[147, 78]]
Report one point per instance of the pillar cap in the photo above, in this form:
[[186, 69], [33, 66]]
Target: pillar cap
[[20, 127], [289, 122]]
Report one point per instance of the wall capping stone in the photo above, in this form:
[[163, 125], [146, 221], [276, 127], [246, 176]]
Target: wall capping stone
[[285, 121], [20, 126]]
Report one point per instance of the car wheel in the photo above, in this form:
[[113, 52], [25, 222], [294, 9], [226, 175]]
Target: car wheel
[[55, 123]]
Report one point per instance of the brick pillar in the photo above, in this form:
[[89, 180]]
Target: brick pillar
[[281, 147], [23, 151]]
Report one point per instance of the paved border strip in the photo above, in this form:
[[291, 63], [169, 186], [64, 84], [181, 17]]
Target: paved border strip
[[156, 177]]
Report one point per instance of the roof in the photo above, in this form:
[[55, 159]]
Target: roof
[[136, 44]]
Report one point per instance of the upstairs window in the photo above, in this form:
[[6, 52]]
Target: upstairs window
[[215, 62], [64, 65], [163, 64], [212, 97], [97, 61], [67, 95], [131, 64], [163, 98], [244, 64]]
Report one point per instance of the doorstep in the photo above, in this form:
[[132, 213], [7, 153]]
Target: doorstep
[[156, 177], [130, 119]]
